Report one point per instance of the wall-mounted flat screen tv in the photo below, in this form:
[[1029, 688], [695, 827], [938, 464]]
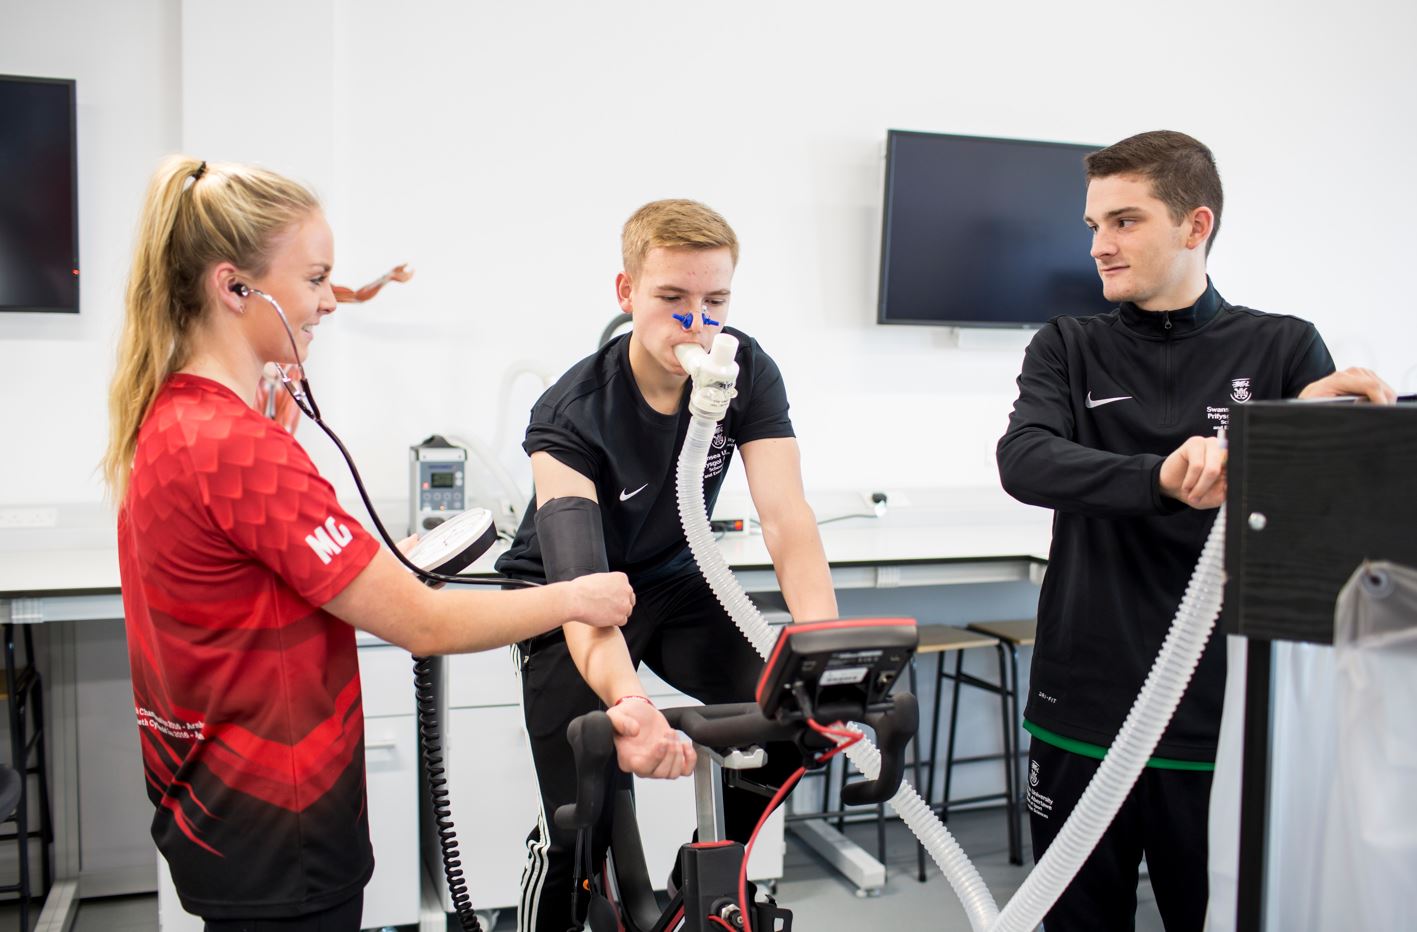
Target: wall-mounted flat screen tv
[[39, 201], [984, 232]]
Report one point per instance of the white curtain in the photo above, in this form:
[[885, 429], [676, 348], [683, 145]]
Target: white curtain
[[1342, 846]]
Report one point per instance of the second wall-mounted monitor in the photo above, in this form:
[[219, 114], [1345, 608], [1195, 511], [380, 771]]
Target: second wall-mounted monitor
[[984, 232]]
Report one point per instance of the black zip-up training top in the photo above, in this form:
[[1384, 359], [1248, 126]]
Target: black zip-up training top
[[1102, 401]]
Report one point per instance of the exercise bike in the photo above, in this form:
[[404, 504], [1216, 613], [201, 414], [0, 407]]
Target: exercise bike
[[830, 672]]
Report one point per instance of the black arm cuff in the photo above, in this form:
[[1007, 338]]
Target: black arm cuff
[[571, 539]]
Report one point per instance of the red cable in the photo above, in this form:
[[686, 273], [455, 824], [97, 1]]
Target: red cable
[[722, 923], [848, 738], [776, 801]]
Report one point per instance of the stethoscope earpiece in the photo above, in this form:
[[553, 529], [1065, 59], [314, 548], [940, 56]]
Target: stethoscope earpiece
[[299, 389]]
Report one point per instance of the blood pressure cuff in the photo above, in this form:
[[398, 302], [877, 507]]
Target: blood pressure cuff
[[571, 538]]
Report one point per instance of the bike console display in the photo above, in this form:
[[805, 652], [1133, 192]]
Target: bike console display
[[835, 670]]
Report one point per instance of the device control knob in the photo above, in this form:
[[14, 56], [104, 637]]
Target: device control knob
[[432, 521]]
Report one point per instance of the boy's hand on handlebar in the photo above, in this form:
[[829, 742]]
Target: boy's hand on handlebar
[[601, 600], [1195, 473], [645, 745]]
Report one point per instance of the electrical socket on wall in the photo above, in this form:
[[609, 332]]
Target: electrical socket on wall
[[894, 499], [28, 517]]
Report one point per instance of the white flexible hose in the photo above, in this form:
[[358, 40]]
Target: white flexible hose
[[1118, 772]]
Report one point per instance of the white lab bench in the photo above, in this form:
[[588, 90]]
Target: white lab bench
[[66, 578]]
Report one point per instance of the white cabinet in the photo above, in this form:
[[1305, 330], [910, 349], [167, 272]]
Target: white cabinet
[[391, 764], [493, 796]]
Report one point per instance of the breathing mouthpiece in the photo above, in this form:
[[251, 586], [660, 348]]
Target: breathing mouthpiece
[[713, 373]]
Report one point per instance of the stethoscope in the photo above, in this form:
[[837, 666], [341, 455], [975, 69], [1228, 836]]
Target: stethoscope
[[459, 556]]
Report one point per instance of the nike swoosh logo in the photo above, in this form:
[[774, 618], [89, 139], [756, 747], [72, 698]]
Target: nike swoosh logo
[[626, 496], [1097, 403]]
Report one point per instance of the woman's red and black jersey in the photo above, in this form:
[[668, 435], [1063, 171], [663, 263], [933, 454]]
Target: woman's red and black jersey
[[247, 692]]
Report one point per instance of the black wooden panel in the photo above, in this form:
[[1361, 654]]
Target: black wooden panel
[[1336, 484]]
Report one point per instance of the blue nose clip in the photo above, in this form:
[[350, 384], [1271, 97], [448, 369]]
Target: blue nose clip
[[687, 320]]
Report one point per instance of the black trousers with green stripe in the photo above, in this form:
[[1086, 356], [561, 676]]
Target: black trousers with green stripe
[[1164, 819]]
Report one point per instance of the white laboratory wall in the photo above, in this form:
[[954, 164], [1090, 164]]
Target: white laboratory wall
[[498, 147]]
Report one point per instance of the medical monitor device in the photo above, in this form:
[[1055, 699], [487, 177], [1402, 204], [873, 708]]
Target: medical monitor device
[[981, 232], [437, 473], [39, 224], [835, 670]]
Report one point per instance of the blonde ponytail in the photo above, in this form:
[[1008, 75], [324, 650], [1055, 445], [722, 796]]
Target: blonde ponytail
[[194, 215]]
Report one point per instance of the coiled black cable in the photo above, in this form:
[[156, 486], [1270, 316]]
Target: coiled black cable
[[430, 748]]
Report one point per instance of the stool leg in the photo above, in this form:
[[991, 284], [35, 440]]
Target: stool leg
[[1016, 760], [881, 833], [1011, 797], [46, 818], [840, 802], [915, 767], [950, 743], [935, 732], [19, 759]]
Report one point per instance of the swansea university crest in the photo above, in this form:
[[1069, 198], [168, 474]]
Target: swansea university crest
[[1240, 390]]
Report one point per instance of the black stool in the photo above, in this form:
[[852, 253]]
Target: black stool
[[24, 696], [1012, 635]]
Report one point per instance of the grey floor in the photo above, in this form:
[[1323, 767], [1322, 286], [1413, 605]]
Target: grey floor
[[820, 900]]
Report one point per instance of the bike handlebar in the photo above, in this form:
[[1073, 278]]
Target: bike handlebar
[[724, 727]]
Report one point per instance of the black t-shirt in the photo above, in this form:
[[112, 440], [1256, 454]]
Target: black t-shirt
[[595, 421], [1102, 401]]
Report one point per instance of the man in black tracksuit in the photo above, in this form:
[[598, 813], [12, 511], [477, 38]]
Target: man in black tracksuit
[[1115, 429]]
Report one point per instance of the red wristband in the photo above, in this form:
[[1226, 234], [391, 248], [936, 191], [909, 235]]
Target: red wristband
[[640, 698]]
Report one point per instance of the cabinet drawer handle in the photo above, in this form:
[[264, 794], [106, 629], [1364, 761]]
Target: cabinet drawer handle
[[388, 744]]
